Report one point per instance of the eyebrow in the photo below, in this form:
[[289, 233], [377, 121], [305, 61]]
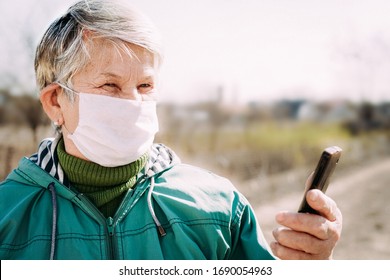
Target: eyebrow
[[109, 75], [148, 73]]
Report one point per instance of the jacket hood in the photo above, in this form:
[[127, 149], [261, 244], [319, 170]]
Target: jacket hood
[[161, 158]]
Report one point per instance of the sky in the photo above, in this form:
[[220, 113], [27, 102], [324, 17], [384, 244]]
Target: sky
[[250, 50]]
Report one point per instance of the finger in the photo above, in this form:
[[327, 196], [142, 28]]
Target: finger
[[286, 253], [323, 204], [314, 225], [309, 180], [300, 241]]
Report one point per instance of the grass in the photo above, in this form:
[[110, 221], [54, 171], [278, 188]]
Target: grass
[[276, 136], [268, 146], [243, 150]]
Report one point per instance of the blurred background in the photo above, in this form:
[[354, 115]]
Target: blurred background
[[252, 90]]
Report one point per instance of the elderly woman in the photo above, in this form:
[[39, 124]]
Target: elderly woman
[[102, 190]]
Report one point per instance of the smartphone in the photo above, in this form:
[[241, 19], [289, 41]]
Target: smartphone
[[324, 170]]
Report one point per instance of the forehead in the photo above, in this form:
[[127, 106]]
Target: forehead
[[118, 59]]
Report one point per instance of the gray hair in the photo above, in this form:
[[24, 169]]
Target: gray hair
[[63, 50]]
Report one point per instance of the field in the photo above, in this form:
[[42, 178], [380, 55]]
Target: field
[[362, 194], [269, 164]]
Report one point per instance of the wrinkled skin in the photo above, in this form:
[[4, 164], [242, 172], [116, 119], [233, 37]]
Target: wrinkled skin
[[304, 236]]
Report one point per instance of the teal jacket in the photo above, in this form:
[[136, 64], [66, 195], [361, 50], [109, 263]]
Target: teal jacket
[[182, 212]]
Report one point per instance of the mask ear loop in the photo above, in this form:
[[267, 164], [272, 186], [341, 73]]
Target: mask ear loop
[[57, 125], [66, 88]]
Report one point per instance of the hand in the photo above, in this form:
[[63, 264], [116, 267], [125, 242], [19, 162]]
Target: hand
[[308, 236]]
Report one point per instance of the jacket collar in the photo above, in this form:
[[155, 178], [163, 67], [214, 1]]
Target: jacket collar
[[160, 158]]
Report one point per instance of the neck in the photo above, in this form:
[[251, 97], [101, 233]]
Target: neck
[[104, 186]]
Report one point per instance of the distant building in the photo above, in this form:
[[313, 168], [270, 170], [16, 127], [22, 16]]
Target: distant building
[[333, 111]]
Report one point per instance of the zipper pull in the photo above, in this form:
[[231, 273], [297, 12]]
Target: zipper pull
[[110, 226]]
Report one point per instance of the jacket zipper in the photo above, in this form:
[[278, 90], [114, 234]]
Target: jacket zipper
[[109, 223], [110, 228], [91, 209]]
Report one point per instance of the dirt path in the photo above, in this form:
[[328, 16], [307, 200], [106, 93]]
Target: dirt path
[[363, 196]]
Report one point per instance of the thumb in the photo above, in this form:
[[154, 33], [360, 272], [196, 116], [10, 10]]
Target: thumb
[[323, 204]]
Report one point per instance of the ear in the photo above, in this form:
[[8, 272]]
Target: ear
[[49, 98]]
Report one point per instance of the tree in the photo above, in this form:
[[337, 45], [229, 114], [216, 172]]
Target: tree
[[22, 110], [31, 112]]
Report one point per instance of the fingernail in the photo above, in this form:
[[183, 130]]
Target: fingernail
[[313, 196], [280, 217]]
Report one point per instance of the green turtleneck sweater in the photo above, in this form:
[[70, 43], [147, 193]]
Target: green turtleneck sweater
[[104, 186]]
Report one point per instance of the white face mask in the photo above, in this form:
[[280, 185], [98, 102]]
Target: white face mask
[[113, 131]]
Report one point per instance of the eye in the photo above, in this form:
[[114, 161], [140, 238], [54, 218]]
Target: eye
[[145, 87], [111, 88], [110, 85]]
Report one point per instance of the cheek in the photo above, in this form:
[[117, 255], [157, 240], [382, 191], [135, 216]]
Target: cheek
[[71, 115]]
